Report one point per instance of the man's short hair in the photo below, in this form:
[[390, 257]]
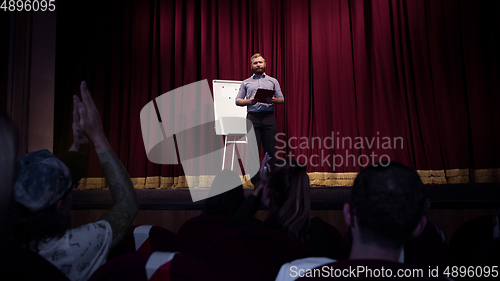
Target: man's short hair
[[387, 201], [256, 55]]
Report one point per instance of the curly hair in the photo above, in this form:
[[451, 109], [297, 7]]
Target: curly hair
[[387, 201]]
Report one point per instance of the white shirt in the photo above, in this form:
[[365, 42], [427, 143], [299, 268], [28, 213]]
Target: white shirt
[[81, 251]]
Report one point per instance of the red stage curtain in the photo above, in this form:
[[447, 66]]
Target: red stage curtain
[[423, 74]]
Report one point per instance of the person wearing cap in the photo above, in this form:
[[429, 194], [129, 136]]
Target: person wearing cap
[[43, 195]]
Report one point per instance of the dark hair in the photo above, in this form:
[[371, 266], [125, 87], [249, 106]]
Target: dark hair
[[8, 172], [226, 203], [387, 201], [290, 203], [30, 229]]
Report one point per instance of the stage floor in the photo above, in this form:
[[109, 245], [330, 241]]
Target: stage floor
[[441, 196]]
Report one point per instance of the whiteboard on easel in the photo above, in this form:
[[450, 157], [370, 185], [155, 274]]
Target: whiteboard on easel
[[229, 118]]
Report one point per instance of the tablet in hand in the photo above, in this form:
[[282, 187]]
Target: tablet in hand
[[265, 95]]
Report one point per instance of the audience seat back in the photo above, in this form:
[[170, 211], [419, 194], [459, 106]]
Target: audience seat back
[[253, 253], [145, 238], [489, 254], [473, 235], [200, 230], [157, 266]]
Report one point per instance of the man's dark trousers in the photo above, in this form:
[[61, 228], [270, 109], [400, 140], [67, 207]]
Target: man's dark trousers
[[264, 125]]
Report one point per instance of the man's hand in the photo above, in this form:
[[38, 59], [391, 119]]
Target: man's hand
[[243, 102], [277, 100], [80, 142], [90, 120]]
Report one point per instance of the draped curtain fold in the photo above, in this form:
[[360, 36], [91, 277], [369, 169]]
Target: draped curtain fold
[[413, 81]]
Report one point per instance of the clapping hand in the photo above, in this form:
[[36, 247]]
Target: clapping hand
[[265, 174], [80, 141], [265, 169], [89, 120]]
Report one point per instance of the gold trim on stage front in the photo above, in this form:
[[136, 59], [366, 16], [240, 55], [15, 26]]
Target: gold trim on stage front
[[317, 179]]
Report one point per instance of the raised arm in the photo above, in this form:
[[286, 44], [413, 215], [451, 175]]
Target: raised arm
[[125, 205], [251, 204]]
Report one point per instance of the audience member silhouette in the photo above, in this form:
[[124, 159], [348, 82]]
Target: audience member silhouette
[[226, 203], [286, 191], [43, 193], [385, 211], [14, 258], [8, 146]]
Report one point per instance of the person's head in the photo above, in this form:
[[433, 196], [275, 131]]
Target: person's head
[[289, 198], [43, 194], [258, 64], [386, 207], [225, 203], [8, 146]]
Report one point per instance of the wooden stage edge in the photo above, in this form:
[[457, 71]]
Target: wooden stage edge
[[440, 196]]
